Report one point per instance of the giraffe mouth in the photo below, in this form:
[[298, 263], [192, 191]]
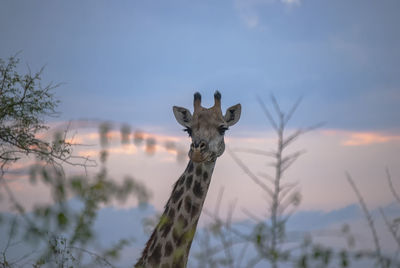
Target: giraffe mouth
[[198, 156]]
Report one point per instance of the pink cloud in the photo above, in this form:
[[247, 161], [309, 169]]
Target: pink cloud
[[360, 138]]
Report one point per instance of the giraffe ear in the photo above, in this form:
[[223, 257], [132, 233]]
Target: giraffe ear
[[182, 115], [232, 114]]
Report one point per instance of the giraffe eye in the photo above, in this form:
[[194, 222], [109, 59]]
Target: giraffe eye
[[189, 131], [222, 129]]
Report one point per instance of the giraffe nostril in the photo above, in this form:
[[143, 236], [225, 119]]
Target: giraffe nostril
[[198, 145], [202, 145]]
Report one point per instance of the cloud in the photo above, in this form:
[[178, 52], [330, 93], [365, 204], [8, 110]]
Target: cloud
[[248, 10], [291, 2], [359, 138], [319, 178]]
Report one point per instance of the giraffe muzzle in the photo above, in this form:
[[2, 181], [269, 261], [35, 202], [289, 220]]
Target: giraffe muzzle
[[198, 151]]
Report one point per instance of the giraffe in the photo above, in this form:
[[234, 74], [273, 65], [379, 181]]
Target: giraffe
[[170, 242]]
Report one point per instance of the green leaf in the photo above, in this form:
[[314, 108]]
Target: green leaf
[[62, 219]]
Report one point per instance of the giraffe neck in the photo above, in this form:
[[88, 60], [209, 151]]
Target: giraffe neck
[[169, 245]]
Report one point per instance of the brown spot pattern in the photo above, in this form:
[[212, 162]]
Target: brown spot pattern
[[166, 228], [181, 180], [194, 211], [197, 189], [156, 256], [168, 249], [188, 204], [153, 242], [198, 170], [190, 167], [205, 176], [176, 195], [179, 205], [171, 215], [189, 181]]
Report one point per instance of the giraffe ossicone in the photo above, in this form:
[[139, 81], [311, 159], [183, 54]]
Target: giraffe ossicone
[[170, 242]]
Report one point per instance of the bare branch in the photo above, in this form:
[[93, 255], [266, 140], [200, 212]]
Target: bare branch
[[218, 203], [286, 189], [254, 151], [291, 112], [267, 114], [267, 177], [391, 227], [93, 254], [390, 182], [251, 215], [299, 132], [226, 242], [292, 137], [292, 200], [288, 160], [11, 233], [277, 109], [249, 173], [242, 254], [368, 217], [231, 210]]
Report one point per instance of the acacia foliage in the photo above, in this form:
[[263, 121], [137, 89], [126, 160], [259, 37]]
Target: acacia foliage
[[56, 234], [24, 105]]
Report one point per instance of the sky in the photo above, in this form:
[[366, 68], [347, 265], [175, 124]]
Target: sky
[[131, 61], [340, 55]]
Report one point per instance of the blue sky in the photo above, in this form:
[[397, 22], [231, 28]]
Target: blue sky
[[131, 61], [118, 59]]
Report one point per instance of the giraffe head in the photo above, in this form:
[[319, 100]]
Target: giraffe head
[[207, 127]]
